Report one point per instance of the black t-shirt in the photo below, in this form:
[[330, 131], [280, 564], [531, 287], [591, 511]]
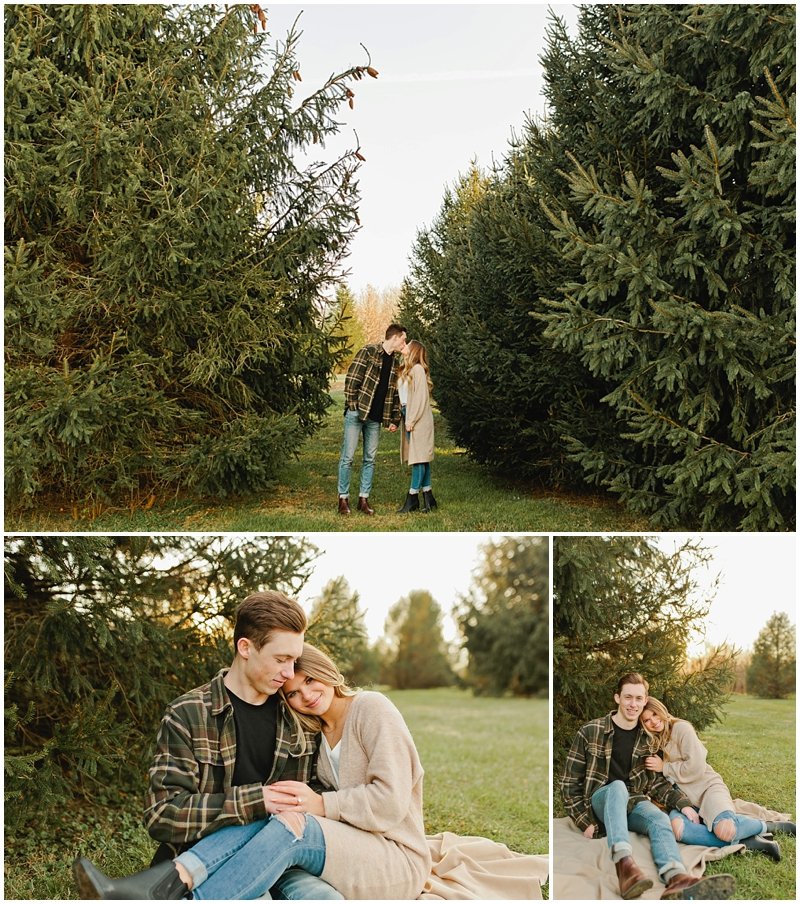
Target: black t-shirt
[[376, 408], [256, 727], [622, 753]]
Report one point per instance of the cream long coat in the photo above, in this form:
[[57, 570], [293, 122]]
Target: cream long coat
[[419, 420], [374, 831], [685, 764]]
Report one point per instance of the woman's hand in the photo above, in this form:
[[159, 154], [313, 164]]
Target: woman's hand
[[589, 831], [297, 797], [654, 764]]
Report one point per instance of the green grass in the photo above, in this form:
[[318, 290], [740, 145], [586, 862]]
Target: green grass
[[486, 769], [753, 749], [304, 499]]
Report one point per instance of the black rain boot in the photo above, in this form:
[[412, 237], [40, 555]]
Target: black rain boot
[[430, 502], [410, 505], [759, 843], [788, 828], [159, 883]]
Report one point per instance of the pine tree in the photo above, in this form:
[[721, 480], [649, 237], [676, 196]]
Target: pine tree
[[166, 249], [101, 633], [349, 326], [621, 604], [681, 215], [773, 667], [504, 619], [336, 626], [415, 655]]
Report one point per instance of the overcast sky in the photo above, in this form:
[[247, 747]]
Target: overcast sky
[[455, 79]]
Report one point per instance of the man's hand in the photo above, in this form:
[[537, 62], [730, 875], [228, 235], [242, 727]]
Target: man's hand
[[654, 764], [589, 832], [392, 428], [276, 800], [691, 814]]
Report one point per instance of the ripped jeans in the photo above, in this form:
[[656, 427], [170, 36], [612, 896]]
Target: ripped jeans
[[244, 862]]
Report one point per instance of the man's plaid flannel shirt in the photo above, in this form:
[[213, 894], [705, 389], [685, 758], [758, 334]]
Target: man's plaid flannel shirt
[[190, 794], [362, 380], [587, 769]]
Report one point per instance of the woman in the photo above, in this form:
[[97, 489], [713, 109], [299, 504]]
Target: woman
[[683, 762], [414, 385], [367, 838]]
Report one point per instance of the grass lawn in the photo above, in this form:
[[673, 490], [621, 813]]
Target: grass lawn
[[753, 750], [304, 499], [486, 769]]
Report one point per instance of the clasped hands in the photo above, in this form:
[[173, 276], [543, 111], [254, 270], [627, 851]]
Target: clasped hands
[[289, 796]]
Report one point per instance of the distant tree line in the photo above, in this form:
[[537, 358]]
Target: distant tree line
[[614, 304], [102, 632]]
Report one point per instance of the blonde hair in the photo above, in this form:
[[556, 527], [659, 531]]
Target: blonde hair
[[661, 738], [416, 354], [319, 666]]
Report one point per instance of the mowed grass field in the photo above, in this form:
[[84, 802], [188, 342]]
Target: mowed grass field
[[470, 496], [754, 751], [486, 773]]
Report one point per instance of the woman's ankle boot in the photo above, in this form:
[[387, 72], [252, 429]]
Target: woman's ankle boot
[[788, 828], [159, 883], [429, 501], [758, 843], [410, 505]]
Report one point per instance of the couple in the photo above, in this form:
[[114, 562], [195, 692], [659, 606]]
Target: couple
[[385, 382], [227, 832], [619, 767]]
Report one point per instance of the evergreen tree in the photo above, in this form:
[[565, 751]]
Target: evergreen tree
[[101, 633], [504, 619], [622, 604], [415, 654], [349, 327], [682, 218], [336, 625], [773, 667], [166, 249]]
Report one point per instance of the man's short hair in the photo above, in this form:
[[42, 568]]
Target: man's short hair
[[632, 678], [258, 616], [394, 329]]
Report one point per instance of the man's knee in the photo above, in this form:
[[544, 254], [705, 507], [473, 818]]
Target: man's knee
[[677, 827], [295, 822]]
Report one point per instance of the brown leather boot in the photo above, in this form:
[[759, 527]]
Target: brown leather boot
[[632, 881], [344, 505], [364, 506], [707, 888]]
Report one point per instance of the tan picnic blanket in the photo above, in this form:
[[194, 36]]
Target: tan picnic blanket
[[583, 871], [471, 868], [746, 808]]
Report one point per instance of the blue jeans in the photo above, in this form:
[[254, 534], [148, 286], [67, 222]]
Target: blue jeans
[[371, 433], [699, 833], [610, 804], [421, 476], [244, 862], [298, 885]]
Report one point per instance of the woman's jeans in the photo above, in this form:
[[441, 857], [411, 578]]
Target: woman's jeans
[[371, 433], [694, 833], [244, 862], [610, 804], [420, 476]]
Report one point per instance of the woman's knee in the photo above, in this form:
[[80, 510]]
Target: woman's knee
[[677, 827], [725, 829], [295, 822]]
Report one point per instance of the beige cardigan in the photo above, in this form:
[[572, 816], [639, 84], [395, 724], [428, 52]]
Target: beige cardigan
[[374, 832], [419, 420], [685, 764]]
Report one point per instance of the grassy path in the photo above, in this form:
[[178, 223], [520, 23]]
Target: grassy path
[[304, 499]]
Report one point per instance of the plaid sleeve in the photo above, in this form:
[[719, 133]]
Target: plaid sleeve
[[186, 799], [573, 785], [667, 794], [355, 377]]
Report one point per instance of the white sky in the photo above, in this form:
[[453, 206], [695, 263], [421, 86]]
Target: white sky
[[455, 80], [385, 567], [757, 578]]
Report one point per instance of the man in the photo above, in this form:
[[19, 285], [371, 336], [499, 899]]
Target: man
[[606, 788], [371, 400], [219, 748]]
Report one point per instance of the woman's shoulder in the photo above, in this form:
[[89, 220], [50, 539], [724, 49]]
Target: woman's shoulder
[[372, 701], [683, 729]]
